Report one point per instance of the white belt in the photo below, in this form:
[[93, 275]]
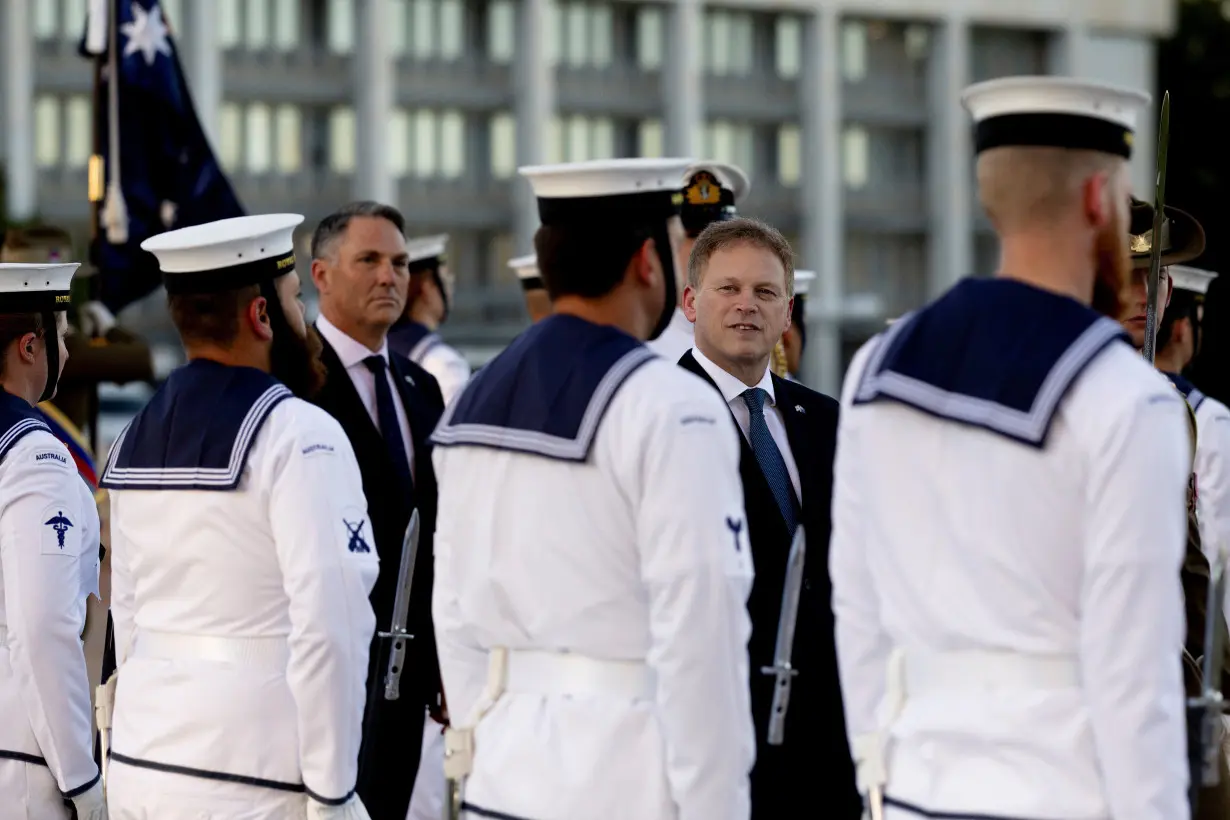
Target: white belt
[[966, 670], [911, 674], [536, 672], [272, 654]]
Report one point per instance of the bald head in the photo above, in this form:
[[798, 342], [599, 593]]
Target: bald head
[[1031, 188]]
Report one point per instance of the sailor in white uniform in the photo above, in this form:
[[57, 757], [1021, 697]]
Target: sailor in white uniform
[[1179, 337], [1009, 507], [592, 561], [49, 552], [537, 302], [416, 336], [794, 340], [242, 555], [711, 191]]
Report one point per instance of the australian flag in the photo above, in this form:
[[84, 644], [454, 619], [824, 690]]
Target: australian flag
[[167, 172]]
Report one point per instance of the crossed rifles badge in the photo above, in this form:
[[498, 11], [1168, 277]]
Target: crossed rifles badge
[[704, 190]]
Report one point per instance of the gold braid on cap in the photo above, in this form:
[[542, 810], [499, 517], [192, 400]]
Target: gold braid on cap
[[778, 361]]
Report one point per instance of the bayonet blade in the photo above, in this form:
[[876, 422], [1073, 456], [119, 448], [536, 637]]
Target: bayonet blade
[[786, 622], [401, 608], [1156, 242]]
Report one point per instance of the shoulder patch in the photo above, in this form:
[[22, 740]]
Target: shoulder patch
[[54, 528], [355, 530], [51, 457], [319, 449]]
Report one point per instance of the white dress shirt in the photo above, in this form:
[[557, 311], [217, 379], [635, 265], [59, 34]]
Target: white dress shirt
[[732, 390], [351, 354]]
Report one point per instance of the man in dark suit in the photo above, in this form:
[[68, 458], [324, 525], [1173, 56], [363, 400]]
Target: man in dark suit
[[738, 296], [388, 407]]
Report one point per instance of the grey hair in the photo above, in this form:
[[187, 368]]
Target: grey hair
[[333, 226]]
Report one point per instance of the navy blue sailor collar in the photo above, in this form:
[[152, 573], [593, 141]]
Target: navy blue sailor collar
[[1195, 397], [17, 420], [196, 432], [411, 339], [546, 393], [992, 353]]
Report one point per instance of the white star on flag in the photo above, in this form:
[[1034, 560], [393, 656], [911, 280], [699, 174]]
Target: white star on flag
[[146, 34]]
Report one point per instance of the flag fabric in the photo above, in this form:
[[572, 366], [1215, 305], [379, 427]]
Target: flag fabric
[[67, 432], [168, 173]]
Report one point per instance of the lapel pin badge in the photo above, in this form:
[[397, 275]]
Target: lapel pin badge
[[798, 408]]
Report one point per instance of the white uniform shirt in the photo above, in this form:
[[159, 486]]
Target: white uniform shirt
[[947, 538], [1212, 470], [450, 368], [676, 340], [49, 539], [275, 561], [638, 553], [351, 354], [732, 390]]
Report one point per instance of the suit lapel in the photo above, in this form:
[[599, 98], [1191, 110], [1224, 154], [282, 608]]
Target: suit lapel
[[418, 414], [342, 400], [797, 433]]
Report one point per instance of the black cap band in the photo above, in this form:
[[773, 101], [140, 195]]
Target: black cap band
[[232, 278], [431, 263], [532, 283], [34, 302], [627, 210], [1074, 131]]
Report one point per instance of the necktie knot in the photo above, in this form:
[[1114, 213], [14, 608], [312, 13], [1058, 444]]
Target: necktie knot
[[376, 364], [754, 398]]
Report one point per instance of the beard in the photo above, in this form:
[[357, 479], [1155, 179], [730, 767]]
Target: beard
[[1112, 271], [295, 360]]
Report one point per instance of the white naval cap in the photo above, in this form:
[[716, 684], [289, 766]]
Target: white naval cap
[[226, 254], [730, 177], [617, 191], [1195, 280], [427, 248], [1059, 112], [526, 268], [802, 281], [26, 288]]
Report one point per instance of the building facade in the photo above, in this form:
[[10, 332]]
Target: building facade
[[845, 114]]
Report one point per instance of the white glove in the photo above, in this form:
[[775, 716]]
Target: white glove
[[91, 804], [352, 809], [95, 319]]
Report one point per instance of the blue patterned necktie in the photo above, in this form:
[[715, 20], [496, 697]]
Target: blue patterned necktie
[[386, 417], [768, 456]]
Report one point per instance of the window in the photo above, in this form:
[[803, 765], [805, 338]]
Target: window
[[503, 145], [855, 156], [422, 29], [79, 131], [1006, 52], [741, 46], [730, 142], [576, 37], [853, 51], [258, 139], [230, 135], [452, 29], [501, 31], [286, 25], [602, 35], [452, 144], [228, 23], [256, 25], [717, 40], [399, 25], [341, 140], [289, 139], [74, 18], [649, 38], [788, 46], [650, 139], [789, 155], [340, 29], [47, 132], [45, 27], [399, 142], [425, 161]]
